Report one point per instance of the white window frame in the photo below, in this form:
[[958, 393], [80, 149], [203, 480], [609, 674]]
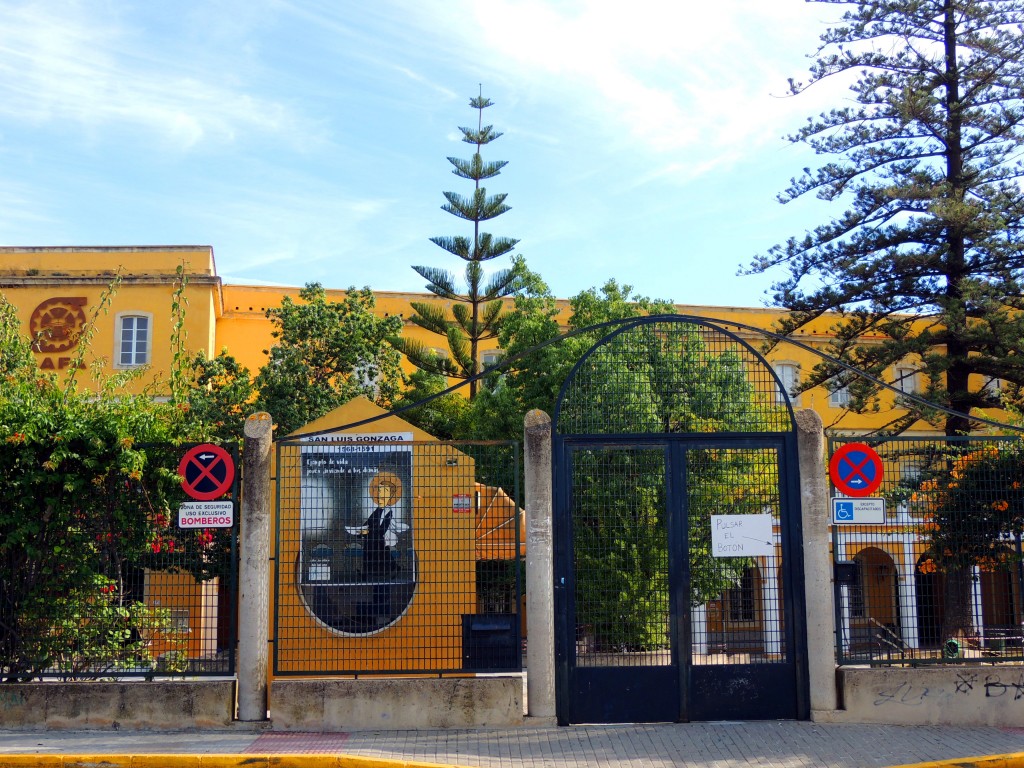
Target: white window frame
[[119, 334], [491, 357], [838, 396], [780, 367], [906, 378]]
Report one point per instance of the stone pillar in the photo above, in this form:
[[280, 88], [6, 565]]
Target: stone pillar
[[254, 569], [818, 575], [540, 587]]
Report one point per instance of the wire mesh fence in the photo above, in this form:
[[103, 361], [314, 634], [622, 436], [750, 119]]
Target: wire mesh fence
[[739, 600], [395, 556], [135, 587], [621, 557], [929, 568], [621, 551]]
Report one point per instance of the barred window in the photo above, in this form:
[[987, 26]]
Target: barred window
[[741, 600]]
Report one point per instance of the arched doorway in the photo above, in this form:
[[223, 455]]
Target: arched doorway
[[675, 478], [874, 605]]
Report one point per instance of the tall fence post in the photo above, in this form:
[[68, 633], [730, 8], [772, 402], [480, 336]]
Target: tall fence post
[[821, 626], [540, 597], [254, 569]]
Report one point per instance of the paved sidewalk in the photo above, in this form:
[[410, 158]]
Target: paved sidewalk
[[707, 745]]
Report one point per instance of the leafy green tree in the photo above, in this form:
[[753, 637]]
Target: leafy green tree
[[326, 353], [925, 262], [971, 500], [534, 380], [476, 311], [444, 416], [220, 395]]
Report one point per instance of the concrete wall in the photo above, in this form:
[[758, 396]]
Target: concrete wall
[[960, 696], [172, 705], [966, 696], [390, 704]]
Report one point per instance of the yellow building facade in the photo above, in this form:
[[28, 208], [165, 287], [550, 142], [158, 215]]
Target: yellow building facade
[[57, 289]]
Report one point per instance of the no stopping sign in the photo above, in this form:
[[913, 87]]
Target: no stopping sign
[[207, 472], [856, 469]]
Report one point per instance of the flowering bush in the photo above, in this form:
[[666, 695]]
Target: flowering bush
[[79, 500], [973, 505]]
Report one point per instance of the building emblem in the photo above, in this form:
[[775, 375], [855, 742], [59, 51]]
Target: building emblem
[[57, 323]]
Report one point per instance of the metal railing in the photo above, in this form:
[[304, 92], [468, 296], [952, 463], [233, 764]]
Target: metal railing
[[929, 568]]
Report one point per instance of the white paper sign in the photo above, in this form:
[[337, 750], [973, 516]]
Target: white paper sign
[[742, 536]]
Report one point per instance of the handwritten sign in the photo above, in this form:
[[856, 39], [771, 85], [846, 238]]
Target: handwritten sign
[[742, 536]]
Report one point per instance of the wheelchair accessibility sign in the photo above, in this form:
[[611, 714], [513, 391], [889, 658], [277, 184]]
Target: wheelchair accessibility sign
[[858, 511]]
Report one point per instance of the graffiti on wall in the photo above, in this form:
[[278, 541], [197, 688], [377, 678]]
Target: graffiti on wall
[[998, 687]]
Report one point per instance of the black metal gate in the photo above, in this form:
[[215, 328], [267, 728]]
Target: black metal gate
[[677, 558]]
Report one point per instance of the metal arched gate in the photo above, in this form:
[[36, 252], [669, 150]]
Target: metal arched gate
[[678, 588]]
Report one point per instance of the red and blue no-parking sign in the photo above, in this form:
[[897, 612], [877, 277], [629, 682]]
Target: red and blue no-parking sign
[[856, 469], [207, 472]]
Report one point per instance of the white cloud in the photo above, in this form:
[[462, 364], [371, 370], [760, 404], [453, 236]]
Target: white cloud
[[661, 76], [64, 62]]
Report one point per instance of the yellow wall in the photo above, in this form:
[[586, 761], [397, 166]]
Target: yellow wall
[[66, 284], [233, 317], [188, 599]]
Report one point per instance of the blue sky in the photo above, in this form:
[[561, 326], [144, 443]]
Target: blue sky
[[305, 140]]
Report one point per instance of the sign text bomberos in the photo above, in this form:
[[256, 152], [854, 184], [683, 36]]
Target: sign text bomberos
[[206, 514]]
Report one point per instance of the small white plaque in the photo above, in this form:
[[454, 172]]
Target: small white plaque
[[206, 514], [867, 511]]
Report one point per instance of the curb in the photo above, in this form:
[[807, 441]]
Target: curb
[[210, 761], [1010, 760]]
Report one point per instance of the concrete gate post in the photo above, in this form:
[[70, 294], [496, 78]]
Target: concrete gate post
[[821, 625], [254, 569], [540, 587]]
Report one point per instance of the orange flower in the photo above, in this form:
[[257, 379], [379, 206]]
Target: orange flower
[[1001, 505], [927, 566]]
